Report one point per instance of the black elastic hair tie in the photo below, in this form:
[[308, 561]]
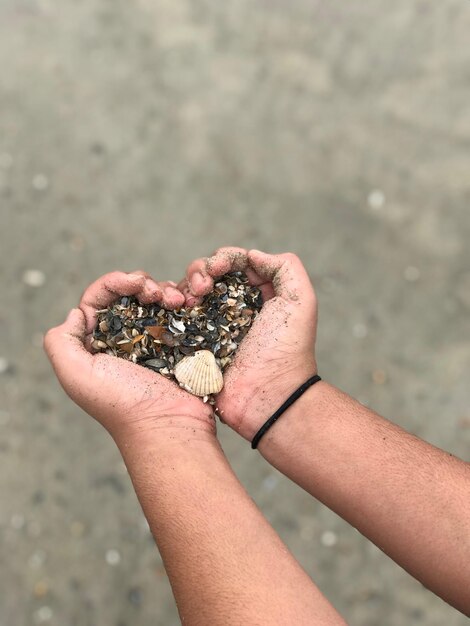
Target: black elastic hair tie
[[289, 402]]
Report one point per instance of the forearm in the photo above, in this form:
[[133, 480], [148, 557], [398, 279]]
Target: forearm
[[410, 498], [225, 563]]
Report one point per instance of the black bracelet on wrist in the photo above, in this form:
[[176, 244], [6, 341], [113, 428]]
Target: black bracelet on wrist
[[289, 402]]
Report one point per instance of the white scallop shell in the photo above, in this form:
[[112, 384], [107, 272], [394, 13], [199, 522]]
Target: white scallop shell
[[199, 374]]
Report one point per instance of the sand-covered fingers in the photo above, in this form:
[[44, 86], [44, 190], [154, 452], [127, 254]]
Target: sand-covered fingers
[[285, 272], [109, 288], [106, 290], [165, 293], [201, 274]]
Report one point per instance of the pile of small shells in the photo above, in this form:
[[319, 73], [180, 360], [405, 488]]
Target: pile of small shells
[[192, 345]]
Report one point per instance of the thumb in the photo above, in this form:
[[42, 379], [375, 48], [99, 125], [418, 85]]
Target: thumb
[[66, 351]]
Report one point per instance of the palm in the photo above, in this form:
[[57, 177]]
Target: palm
[[268, 365], [136, 391], [118, 393]]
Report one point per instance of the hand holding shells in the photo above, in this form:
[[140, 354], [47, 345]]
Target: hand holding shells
[[277, 354], [247, 307], [192, 344], [126, 399]]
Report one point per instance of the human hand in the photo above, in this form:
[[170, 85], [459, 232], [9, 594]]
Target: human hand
[[125, 398], [277, 354]]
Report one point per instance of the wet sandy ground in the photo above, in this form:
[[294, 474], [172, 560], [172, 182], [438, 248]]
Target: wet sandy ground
[[144, 134]]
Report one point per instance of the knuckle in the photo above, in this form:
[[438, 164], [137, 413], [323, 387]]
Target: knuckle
[[108, 276], [290, 257]]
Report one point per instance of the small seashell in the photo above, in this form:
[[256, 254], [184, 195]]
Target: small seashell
[[156, 363], [155, 331], [200, 374], [167, 339], [97, 344], [177, 326]]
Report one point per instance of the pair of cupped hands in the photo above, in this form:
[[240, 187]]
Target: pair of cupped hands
[[275, 357]]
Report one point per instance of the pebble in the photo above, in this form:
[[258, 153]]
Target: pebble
[[376, 199], [34, 278], [43, 614], [4, 365], [360, 331], [113, 557], [411, 274], [40, 182], [329, 538]]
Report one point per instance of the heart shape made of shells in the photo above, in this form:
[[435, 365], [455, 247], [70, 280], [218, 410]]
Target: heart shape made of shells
[[193, 345]]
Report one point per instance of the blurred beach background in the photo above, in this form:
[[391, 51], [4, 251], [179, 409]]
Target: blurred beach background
[[140, 135]]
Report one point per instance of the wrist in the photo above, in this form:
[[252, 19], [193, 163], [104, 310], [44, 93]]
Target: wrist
[[268, 400], [176, 449], [151, 428], [305, 419]]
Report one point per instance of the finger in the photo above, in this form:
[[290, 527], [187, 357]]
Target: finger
[[164, 292], [189, 299], [172, 298], [67, 354], [286, 272], [266, 287], [198, 281], [152, 291], [228, 259], [201, 273], [267, 291], [105, 291]]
